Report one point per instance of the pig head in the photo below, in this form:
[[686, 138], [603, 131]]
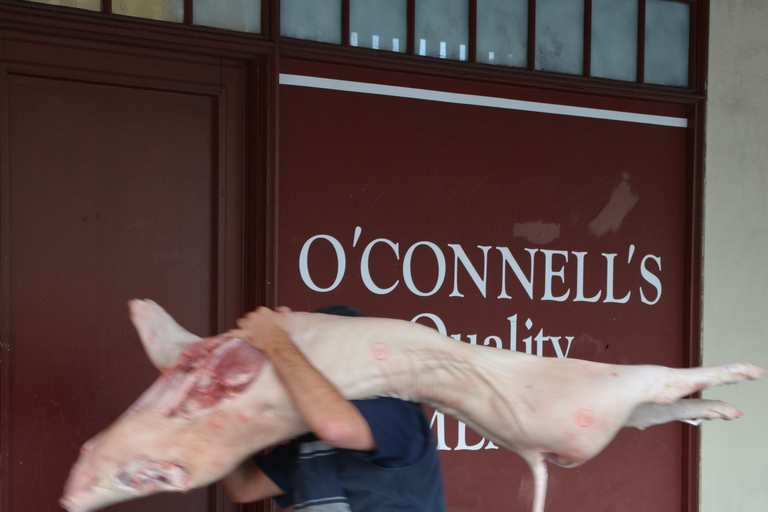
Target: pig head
[[218, 400]]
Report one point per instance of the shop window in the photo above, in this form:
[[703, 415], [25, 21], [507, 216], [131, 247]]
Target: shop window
[[502, 32], [442, 28], [379, 24], [560, 36], [91, 5], [614, 39], [667, 28], [314, 20], [238, 15], [645, 41], [161, 10]]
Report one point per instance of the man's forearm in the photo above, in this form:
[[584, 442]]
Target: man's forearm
[[325, 411]]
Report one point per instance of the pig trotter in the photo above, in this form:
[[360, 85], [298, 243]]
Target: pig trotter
[[684, 382], [692, 411], [145, 476]]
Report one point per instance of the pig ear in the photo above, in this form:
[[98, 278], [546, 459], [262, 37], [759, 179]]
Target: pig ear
[[162, 337]]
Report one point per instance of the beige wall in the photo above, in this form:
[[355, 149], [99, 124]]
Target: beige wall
[[735, 454]]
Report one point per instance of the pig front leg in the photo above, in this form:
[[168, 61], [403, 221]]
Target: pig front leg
[[692, 411]]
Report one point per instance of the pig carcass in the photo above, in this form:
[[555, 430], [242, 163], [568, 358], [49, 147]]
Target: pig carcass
[[218, 400]]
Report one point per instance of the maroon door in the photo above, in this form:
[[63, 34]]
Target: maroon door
[[122, 177]]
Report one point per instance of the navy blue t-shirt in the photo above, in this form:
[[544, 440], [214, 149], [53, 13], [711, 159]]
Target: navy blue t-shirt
[[403, 443]]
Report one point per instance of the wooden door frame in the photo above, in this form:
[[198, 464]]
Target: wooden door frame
[[28, 53]]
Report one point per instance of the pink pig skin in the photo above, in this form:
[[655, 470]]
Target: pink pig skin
[[219, 400]]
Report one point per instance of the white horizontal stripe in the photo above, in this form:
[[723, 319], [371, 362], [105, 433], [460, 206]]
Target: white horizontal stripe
[[323, 507], [314, 455], [480, 101]]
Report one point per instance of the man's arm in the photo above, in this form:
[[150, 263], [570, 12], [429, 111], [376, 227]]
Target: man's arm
[[249, 483], [330, 416]]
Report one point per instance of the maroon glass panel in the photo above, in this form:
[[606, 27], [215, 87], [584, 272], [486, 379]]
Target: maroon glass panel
[[428, 202]]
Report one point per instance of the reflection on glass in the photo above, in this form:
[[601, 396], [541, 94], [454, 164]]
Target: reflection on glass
[[240, 15], [442, 28], [667, 29], [379, 24], [560, 36], [502, 32], [315, 20], [90, 5], [614, 39], [161, 10]]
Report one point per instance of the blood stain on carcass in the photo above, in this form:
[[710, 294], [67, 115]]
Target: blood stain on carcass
[[218, 419], [584, 418], [380, 351]]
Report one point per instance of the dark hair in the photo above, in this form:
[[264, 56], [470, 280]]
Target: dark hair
[[339, 310]]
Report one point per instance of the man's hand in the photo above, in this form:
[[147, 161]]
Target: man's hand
[[264, 329], [326, 412]]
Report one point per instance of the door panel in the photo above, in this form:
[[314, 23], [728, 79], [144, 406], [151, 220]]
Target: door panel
[[116, 187]]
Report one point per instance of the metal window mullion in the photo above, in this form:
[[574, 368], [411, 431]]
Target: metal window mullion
[[693, 50], [345, 23], [531, 35], [411, 28], [641, 42], [272, 17], [472, 39], [188, 12], [587, 64]]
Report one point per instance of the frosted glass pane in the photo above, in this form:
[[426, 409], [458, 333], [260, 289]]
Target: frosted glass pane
[[667, 27], [315, 20], [90, 5], [442, 28], [379, 24], [161, 10], [614, 39], [240, 15], [502, 32], [560, 36]]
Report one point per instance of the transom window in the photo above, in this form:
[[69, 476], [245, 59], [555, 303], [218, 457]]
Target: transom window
[[641, 41]]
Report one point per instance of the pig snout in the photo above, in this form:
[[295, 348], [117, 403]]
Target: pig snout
[[148, 476], [81, 490], [90, 488]]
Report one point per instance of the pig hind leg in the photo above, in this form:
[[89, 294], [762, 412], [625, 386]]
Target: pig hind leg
[[692, 411], [674, 384], [162, 337]]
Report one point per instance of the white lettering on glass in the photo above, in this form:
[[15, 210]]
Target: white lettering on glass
[[341, 262], [561, 273], [408, 276]]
